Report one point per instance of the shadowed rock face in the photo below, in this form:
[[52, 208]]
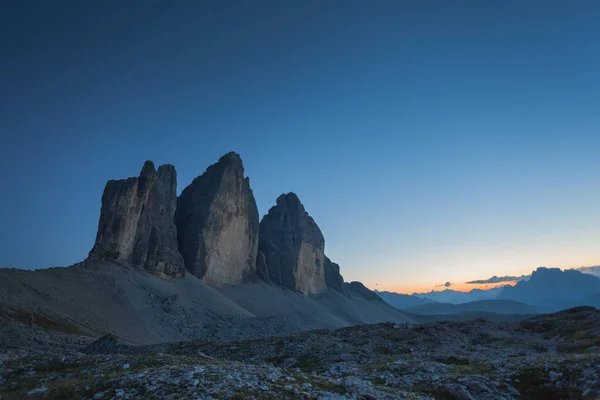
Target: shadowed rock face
[[217, 224], [333, 278], [292, 247], [136, 222], [362, 290]]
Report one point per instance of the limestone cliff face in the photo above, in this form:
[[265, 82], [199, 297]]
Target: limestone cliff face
[[136, 222], [218, 225], [292, 247]]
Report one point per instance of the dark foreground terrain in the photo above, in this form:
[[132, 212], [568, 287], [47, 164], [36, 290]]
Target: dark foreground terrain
[[548, 357]]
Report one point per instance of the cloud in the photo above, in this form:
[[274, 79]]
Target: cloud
[[498, 279], [447, 284]]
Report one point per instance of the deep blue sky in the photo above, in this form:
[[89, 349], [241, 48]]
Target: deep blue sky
[[432, 141]]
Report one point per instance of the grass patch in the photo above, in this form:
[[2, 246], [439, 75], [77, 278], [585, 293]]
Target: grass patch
[[437, 393], [329, 386], [307, 362], [383, 350], [470, 369], [533, 384], [34, 319], [378, 381]]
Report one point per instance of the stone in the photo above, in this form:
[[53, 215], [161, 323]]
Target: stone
[[555, 376], [475, 386], [293, 247], [218, 224], [274, 376], [107, 344], [39, 390], [457, 392], [358, 386], [333, 278], [136, 225]]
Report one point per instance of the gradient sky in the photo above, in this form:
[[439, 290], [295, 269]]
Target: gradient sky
[[432, 141]]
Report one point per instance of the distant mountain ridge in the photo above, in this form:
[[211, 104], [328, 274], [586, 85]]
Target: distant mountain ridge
[[553, 289], [456, 297], [554, 285], [491, 306], [402, 301], [546, 290]]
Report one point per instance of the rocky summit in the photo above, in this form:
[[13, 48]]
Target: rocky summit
[[212, 230], [293, 247], [136, 225], [218, 224]]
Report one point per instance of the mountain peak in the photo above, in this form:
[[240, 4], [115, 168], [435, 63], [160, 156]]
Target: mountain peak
[[290, 199], [230, 158], [217, 224], [292, 246], [553, 288], [136, 223], [148, 169], [546, 271]]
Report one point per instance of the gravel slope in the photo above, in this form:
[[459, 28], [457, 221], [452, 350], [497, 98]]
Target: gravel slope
[[88, 302]]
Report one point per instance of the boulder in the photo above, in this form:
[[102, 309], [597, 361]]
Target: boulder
[[293, 247], [107, 344], [218, 224], [136, 223]]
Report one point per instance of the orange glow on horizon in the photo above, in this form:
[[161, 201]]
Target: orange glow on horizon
[[459, 287]]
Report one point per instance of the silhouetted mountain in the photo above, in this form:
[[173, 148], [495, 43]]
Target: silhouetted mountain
[[456, 297], [498, 279], [490, 306], [401, 301], [553, 289]]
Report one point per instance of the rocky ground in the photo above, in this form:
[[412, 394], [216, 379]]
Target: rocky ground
[[549, 357]]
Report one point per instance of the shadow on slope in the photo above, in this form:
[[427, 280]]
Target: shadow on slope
[[486, 306], [472, 316], [143, 309]]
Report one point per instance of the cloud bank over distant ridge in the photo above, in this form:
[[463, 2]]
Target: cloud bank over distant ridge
[[498, 279]]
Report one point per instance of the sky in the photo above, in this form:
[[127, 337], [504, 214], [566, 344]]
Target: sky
[[432, 141]]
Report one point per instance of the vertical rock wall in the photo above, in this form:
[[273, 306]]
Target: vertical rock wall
[[136, 224], [292, 247], [218, 225]]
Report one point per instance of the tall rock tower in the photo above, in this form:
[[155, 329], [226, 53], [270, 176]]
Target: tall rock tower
[[136, 225], [291, 249], [217, 224]]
